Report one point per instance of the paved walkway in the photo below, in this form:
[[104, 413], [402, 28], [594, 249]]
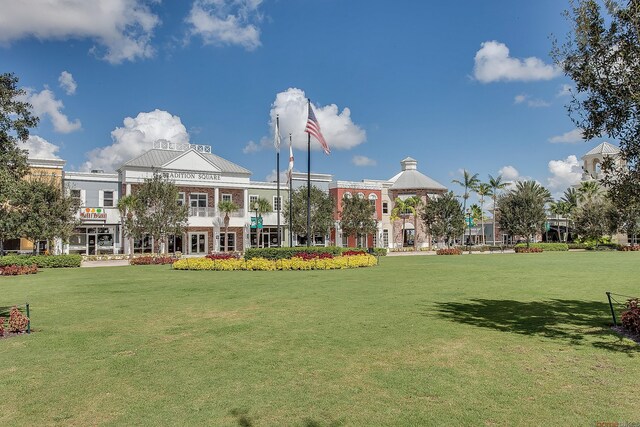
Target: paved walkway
[[413, 253], [105, 263]]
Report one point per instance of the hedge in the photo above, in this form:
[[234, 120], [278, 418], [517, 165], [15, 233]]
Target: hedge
[[263, 264], [286, 253], [546, 247], [42, 261]]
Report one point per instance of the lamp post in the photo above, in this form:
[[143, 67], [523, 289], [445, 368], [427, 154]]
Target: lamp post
[[256, 206], [469, 227]]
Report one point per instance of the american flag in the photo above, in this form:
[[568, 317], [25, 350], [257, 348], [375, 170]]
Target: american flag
[[313, 128]]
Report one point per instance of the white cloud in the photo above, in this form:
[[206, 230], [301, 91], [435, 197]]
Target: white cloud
[[509, 173], [363, 161], [44, 103], [571, 137], [565, 90], [40, 148], [251, 148], [564, 173], [337, 127], [136, 137], [272, 177], [67, 83], [533, 103], [493, 64], [121, 28], [226, 22]]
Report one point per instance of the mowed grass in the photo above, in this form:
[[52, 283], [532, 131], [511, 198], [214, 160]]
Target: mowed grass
[[499, 339]]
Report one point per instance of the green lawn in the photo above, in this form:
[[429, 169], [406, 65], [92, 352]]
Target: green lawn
[[499, 339]]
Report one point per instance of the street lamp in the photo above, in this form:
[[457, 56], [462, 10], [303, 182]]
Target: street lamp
[[469, 227]]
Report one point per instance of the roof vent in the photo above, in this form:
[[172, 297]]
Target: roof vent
[[409, 164], [97, 171]]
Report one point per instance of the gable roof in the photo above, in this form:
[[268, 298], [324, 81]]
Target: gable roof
[[157, 158]]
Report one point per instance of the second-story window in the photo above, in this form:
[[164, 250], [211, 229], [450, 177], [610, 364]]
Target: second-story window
[[76, 195], [197, 200], [385, 208], [107, 200], [252, 199], [226, 198], [181, 199], [277, 203]]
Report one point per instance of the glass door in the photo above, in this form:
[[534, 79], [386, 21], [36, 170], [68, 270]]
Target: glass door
[[91, 243], [198, 243]]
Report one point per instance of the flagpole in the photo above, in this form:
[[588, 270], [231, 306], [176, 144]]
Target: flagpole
[[290, 198], [278, 178], [308, 182]]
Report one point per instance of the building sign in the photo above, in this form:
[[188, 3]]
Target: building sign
[[192, 176], [253, 222], [87, 214]]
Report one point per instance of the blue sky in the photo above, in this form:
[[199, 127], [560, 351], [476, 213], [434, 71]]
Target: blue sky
[[453, 86]]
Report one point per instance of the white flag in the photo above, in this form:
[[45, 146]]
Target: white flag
[[276, 136], [290, 170]]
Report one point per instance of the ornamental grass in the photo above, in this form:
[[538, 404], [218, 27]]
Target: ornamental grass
[[263, 264]]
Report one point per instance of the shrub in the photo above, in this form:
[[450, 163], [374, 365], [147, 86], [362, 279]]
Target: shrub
[[223, 255], [1, 326], [449, 251], [263, 264], [350, 253], [153, 260], [546, 247], [631, 317], [43, 261], [527, 250], [380, 251], [17, 270], [283, 253], [576, 245], [631, 248], [318, 255], [17, 321]]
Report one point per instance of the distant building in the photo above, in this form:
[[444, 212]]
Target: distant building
[[366, 190]]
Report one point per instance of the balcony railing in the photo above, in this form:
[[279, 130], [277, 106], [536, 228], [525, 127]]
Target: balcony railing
[[211, 212]]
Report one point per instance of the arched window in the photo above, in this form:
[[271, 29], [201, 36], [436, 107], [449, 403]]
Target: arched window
[[361, 195], [347, 195], [372, 199]]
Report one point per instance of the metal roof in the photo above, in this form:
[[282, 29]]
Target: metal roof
[[412, 179], [156, 158], [604, 148]]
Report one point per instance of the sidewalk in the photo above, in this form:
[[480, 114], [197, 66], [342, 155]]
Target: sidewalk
[[105, 263]]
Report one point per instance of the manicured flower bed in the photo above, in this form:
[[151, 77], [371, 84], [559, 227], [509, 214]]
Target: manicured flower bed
[[17, 324], [449, 251], [18, 270], [527, 250], [263, 264], [149, 260], [633, 248], [224, 255]]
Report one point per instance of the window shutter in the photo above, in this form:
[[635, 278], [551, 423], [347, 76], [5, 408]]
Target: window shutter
[[100, 198], [115, 198], [83, 197]]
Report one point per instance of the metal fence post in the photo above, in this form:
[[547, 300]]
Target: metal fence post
[[613, 313], [28, 317]]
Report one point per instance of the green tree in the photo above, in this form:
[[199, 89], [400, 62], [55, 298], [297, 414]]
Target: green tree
[[415, 204], [15, 121], [322, 206], [227, 207], [357, 217], [570, 199], [602, 57], [443, 218], [157, 210], [469, 183], [260, 206], [594, 219], [497, 184], [51, 214], [558, 208], [589, 190], [128, 207], [522, 210]]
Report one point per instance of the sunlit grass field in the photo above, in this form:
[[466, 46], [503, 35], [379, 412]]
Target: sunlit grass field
[[501, 339]]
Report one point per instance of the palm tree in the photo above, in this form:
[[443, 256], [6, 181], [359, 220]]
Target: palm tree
[[496, 185], [469, 182], [261, 206], [558, 208], [535, 189], [400, 210], [127, 205], [226, 207], [588, 191], [483, 189], [415, 203], [570, 199]]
